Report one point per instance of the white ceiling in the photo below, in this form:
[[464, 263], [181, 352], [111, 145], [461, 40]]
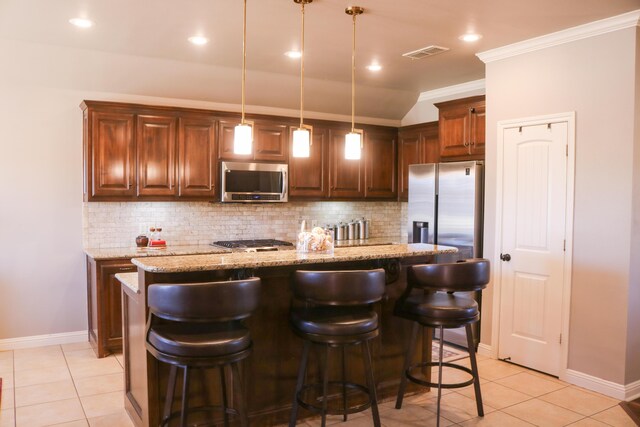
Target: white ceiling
[[388, 28]]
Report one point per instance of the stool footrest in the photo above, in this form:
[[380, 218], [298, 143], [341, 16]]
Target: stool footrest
[[343, 411], [431, 384], [209, 408]]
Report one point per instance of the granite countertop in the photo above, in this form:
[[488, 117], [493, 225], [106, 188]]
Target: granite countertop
[[227, 261], [133, 252], [130, 280]]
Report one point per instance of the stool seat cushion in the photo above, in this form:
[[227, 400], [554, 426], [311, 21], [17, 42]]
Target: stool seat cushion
[[199, 339], [439, 308], [334, 321]]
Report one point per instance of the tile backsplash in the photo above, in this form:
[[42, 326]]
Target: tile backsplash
[[112, 225]]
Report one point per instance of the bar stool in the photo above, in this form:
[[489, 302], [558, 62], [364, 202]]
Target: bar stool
[[200, 325], [332, 309], [438, 306]]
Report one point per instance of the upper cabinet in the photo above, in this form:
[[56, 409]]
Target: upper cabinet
[[462, 128], [346, 177], [156, 147], [417, 144], [109, 154], [380, 148], [197, 157], [309, 176], [269, 141], [134, 152]]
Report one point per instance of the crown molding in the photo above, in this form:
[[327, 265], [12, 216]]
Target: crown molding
[[452, 90], [615, 23]]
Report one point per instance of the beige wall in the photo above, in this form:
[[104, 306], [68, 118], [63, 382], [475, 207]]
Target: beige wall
[[633, 335], [595, 78], [42, 271]]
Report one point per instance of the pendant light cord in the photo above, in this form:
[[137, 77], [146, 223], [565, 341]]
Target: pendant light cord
[[302, 68], [244, 54], [353, 77]]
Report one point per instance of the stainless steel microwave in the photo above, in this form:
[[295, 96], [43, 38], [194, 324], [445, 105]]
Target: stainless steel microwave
[[247, 182]]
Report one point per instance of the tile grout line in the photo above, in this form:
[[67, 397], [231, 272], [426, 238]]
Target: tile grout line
[[73, 381]]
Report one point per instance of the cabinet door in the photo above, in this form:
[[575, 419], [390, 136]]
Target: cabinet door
[[380, 165], [308, 176], [197, 163], [111, 164], [454, 131], [226, 129], [430, 143], [270, 142], [409, 153], [156, 143], [346, 177], [478, 116], [107, 303]]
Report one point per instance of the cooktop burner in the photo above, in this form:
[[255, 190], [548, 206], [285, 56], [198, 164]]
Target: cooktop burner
[[256, 243]]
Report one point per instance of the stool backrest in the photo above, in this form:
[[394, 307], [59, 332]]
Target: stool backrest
[[204, 302], [462, 276], [344, 287]]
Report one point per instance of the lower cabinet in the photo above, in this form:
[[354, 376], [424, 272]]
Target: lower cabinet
[[104, 303]]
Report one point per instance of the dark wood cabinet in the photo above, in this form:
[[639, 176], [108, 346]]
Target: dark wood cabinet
[[346, 177], [270, 141], [110, 158], [417, 144], [156, 148], [462, 128], [380, 148], [197, 157], [308, 176], [104, 304]]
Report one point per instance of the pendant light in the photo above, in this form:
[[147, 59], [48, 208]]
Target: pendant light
[[302, 135], [243, 138], [353, 140]]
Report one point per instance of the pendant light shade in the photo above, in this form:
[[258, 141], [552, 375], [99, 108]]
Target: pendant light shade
[[243, 135], [302, 135], [353, 140], [301, 142]]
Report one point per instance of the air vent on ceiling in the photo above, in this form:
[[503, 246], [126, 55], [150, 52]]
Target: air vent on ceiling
[[425, 51]]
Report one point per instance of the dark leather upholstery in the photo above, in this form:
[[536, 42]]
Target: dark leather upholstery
[[336, 302], [438, 309], [463, 276], [334, 320], [200, 319], [199, 339]]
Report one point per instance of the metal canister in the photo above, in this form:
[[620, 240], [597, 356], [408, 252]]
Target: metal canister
[[331, 229], [354, 230], [363, 225], [341, 231]]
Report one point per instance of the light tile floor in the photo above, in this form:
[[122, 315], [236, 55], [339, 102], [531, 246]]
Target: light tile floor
[[68, 386]]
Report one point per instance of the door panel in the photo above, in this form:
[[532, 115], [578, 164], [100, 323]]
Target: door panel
[[346, 176], [112, 154], [197, 157], [533, 233], [380, 165], [307, 175], [156, 143]]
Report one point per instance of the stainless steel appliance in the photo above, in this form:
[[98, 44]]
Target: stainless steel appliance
[[446, 208], [248, 182], [254, 245]]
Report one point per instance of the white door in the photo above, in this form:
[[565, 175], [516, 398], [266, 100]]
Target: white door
[[533, 237]]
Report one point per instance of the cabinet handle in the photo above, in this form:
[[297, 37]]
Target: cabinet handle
[[125, 268]]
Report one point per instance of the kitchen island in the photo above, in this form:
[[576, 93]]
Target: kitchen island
[[270, 372]]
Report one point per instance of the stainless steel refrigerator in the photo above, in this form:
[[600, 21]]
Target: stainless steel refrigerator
[[446, 203]]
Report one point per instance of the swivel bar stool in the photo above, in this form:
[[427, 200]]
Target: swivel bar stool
[[200, 325], [332, 309], [436, 305]]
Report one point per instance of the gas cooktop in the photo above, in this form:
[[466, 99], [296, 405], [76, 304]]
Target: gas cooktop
[[256, 244]]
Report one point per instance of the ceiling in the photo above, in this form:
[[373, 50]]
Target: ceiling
[[387, 29]]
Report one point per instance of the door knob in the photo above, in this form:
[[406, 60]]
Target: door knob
[[505, 257]]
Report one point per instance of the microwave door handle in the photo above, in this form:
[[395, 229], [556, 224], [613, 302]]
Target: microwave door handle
[[286, 180]]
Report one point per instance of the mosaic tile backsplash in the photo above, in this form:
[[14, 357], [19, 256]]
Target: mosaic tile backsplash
[[114, 225]]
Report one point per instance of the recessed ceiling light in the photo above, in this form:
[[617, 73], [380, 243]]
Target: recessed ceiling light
[[471, 37], [81, 22], [198, 40], [374, 67], [293, 54]]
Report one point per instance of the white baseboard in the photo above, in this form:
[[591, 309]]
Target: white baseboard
[[485, 350], [609, 388], [43, 340]]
